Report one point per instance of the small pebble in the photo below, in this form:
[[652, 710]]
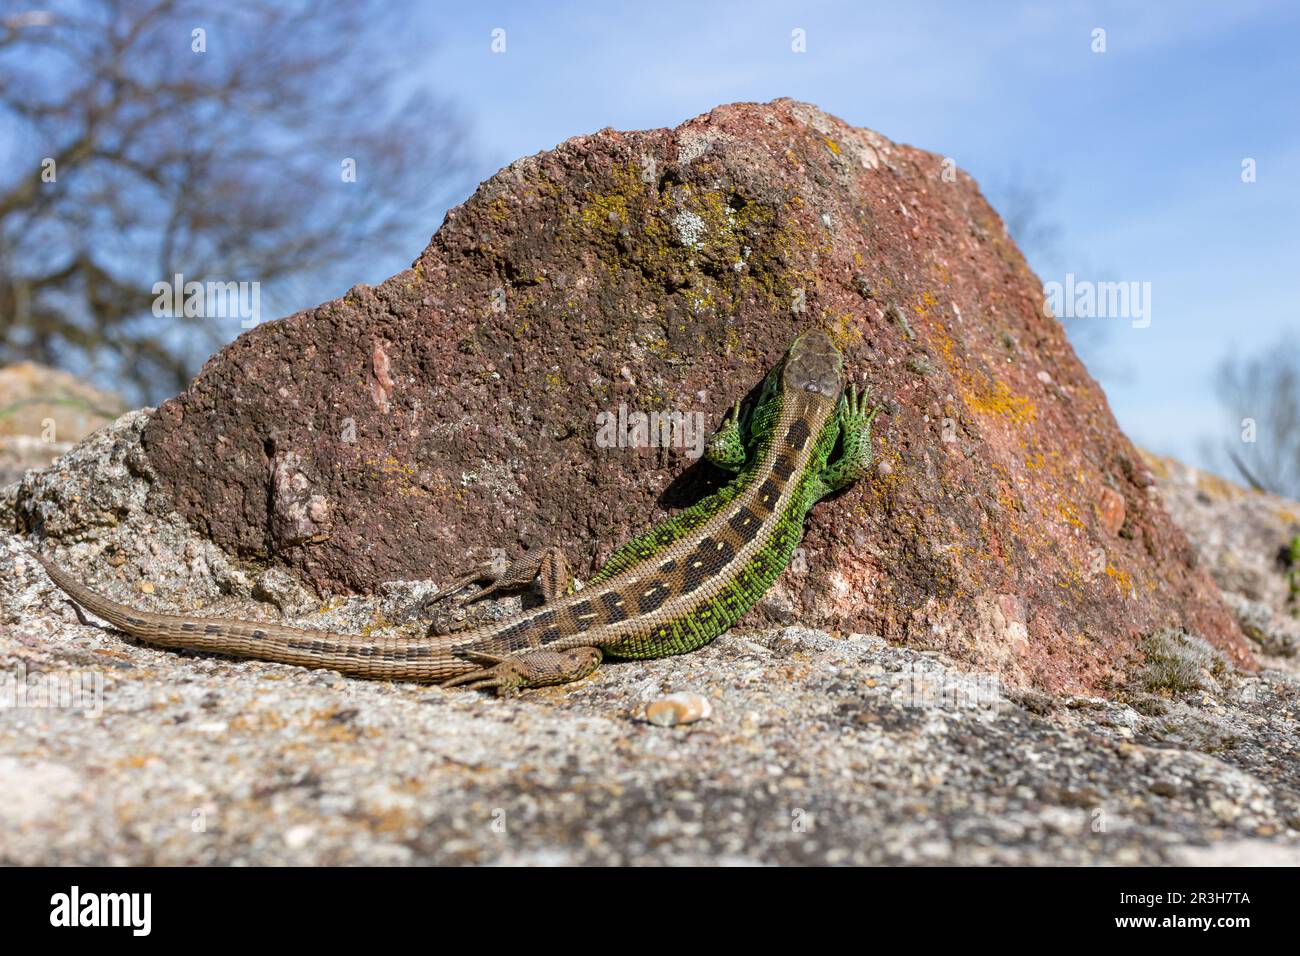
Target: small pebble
[[677, 709], [299, 836]]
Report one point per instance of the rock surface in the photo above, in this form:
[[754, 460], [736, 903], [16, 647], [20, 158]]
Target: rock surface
[[818, 747], [404, 430], [43, 413], [1245, 539]]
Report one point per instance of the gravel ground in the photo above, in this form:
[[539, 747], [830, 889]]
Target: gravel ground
[[821, 748]]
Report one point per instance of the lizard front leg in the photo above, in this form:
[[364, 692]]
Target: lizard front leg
[[533, 668], [726, 446], [854, 460]]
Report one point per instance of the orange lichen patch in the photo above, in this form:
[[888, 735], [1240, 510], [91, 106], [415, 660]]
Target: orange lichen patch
[[393, 820], [1001, 401], [136, 762], [1008, 500], [406, 477], [1069, 514], [981, 392], [928, 301], [391, 466], [845, 330], [1121, 578], [832, 146]]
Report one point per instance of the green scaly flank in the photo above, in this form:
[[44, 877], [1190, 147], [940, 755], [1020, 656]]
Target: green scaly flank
[[741, 445]]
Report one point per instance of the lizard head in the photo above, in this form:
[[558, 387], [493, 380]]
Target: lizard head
[[814, 365]]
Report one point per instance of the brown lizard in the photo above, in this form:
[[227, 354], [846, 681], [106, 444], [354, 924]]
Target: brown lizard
[[667, 591]]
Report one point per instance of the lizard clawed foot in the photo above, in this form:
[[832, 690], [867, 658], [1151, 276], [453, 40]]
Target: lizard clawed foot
[[856, 414], [532, 668], [726, 447], [490, 571], [859, 405], [548, 567]]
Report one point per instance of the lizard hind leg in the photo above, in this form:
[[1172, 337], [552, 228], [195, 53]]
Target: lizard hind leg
[[547, 566], [539, 667]]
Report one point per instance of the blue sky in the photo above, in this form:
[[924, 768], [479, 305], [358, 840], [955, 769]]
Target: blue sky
[[1138, 150]]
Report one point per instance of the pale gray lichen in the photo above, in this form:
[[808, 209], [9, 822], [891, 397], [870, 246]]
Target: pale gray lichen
[[690, 229]]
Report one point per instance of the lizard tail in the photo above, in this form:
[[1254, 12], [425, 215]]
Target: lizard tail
[[380, 657], [119, 615]]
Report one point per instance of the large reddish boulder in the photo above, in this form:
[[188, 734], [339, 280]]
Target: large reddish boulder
[[404, 429]]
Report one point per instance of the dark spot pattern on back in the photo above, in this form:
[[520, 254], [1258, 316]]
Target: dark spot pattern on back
[[653, 597], [512, 638], [615, 606], [514, 631], [766, 496], [402, 655], [745, 524], [798, 434], [710, 556], [581, 616], [694, 574]]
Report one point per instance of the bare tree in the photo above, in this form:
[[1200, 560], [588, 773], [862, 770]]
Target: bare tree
[[1261, 396], [272, 141]]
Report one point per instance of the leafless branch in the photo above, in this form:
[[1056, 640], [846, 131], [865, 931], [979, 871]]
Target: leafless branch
[[221, 165]]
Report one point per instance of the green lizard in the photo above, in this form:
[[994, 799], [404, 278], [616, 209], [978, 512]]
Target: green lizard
[[668, 591]]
